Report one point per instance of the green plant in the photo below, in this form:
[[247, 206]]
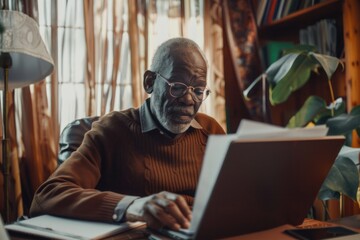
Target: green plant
[[290, 73]]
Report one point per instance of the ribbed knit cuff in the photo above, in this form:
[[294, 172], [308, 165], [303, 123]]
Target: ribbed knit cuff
[[108, 205], [120, 209]]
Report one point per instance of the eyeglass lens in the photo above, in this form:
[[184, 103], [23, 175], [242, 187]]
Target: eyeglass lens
[[180, 89]]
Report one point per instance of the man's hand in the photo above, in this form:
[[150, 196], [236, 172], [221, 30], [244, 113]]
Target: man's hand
[[163, 209]]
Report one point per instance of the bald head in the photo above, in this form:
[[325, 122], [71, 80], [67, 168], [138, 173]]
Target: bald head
[[172, 48]]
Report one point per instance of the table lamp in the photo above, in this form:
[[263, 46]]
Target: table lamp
[[24, 60]]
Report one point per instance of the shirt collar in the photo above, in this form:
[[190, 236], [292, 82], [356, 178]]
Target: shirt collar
[[147, 122]]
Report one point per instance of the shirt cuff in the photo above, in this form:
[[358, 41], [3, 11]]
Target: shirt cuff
[[120, 209]]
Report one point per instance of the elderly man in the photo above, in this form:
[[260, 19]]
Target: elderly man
[[141, 164]]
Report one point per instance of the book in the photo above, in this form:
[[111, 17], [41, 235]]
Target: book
[[69, 229], [322, 35], [280, 10], [273, 50], [3, 233], [261, 11], [271, 12], [286, 10], [294, 6]]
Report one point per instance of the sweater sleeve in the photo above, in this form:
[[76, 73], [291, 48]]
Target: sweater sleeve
[[71, 190]]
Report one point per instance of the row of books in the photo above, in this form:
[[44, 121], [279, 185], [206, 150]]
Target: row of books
[[271, 10], [323, 36]]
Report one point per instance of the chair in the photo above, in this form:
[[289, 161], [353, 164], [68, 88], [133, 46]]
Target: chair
[[72, 135]]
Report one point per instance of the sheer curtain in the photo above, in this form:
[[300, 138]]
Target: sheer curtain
[[100, 50]]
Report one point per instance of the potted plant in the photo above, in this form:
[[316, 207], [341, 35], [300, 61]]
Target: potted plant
[[290, 73]]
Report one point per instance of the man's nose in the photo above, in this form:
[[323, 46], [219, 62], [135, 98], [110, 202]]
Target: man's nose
[[189, 97]]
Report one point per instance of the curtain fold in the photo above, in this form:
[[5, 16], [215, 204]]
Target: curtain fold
[[242, 39], [100, 50], [213, 47], [135, 54], [90, 57], [118, 31]]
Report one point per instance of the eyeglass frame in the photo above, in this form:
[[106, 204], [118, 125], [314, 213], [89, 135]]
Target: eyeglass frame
[[206, 90]]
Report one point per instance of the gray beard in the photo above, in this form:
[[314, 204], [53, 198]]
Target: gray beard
[[173, 128], [166, 123]]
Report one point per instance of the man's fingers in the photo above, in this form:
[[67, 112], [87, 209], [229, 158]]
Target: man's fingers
[[171, 208], [162, 209], [157, 217], [182, 204], [177, 207]]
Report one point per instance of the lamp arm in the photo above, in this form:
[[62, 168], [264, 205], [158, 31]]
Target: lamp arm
[[6, 63]]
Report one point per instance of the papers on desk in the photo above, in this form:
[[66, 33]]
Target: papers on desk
[[251, 129], [3, 234], [69, 229]]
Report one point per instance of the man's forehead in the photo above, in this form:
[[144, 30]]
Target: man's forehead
[[187, 56]]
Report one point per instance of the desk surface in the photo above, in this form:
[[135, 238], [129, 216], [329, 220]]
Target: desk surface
[[352, 222]]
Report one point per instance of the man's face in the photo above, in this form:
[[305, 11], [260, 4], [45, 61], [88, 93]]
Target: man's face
[[176, 113]]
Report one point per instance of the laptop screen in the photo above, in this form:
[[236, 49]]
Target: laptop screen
[[256, 184]]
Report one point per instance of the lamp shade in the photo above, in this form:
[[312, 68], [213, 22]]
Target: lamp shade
[[21, 41]]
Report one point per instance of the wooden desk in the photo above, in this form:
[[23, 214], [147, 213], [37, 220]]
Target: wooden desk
[[352, 222], [132, 234]]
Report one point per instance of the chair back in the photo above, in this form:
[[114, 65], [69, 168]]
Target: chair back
[[72, 136]]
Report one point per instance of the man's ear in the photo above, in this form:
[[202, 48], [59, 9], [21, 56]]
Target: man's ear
[[149, 80]]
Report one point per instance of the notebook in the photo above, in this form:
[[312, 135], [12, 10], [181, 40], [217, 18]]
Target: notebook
[[53, 227], [3, 233], [260, 178]]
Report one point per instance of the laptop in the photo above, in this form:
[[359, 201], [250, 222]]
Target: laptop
[[252, 184]]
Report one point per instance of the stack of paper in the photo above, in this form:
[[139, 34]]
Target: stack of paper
[[69, 229]]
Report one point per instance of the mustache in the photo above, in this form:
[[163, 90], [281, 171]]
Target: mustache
[[183, 110]]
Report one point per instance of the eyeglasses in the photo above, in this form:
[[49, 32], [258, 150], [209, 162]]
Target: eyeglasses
[[178, 89]]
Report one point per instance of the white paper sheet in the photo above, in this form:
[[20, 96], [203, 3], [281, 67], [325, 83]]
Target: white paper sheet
[[65, 228]]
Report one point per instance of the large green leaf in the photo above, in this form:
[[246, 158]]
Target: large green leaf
[[351, 153], [249, 91], [280, 68], [311, 108], [343, 123], [336, 108], [342, 178], [275, 71], [328, 63], [292, 71], [296, 77], [356, 111]]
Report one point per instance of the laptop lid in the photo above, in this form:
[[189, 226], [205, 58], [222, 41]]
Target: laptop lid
[[257, 184]]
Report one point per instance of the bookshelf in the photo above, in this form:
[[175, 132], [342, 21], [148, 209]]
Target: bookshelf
[[346, 83], [291, 23]]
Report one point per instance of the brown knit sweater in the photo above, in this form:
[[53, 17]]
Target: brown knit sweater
[[117, 159]]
